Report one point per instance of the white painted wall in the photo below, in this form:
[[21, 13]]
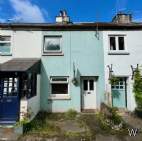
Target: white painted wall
[[34, 102], [23, 108], [32, 105], [122, 63], [25, 44]]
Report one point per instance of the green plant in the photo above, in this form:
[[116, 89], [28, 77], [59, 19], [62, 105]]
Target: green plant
[[26, 118], [22, 122], [42, 124], [70, 114], [110, 119], [103, 122], [114, 117], [137, 88], [113, 80]]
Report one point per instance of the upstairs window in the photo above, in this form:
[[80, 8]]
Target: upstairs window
[[116, 43], [52, 44], [5, 45]]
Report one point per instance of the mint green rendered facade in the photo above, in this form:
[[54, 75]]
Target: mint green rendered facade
[[83, 49]]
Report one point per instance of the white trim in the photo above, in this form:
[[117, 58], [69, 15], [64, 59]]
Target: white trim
[[117, 51], [52, 51], [59, 96], [56, 77]]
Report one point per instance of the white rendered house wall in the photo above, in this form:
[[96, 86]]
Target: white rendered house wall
[[25, 44], [121, 64]]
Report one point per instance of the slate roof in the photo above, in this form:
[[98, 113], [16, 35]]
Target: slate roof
[[72, 26], [19, 64]]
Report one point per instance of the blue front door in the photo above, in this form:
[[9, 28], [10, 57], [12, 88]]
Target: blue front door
[[9, 99], [119, 93]]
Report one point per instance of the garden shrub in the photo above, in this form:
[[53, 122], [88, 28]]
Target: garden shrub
[[109, 118], [137, 88]]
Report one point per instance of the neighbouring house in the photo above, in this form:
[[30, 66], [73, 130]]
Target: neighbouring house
[[59, 66], [122, 52]]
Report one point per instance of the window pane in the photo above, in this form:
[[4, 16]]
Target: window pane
[[5, 90], [112, 43], [52, 44], [85, 85], [91, 84], [5, 38], [10, 89], [117, 87], [59, 79], [121, 43], [10, 84], [59, 88], [112, 86], [5, 47]]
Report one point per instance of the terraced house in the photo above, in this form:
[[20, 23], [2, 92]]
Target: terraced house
[[66, 65]]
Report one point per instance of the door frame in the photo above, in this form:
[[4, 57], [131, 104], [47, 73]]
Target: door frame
[[126, 81], [12, 75], [95, 78]]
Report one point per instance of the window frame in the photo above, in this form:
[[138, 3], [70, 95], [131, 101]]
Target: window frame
[[52, 52], [6, 87], [10, 41], [121, 83], [117, 51], [59, 82], [33, 85]]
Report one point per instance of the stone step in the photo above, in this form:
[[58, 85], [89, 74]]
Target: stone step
[[122, 111], [9, 133]]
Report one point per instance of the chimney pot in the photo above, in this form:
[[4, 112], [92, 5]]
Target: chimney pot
[[63, 17], [122, 18]]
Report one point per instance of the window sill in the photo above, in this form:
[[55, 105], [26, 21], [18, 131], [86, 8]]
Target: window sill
[[5, 54], [59, 97], [118, 53], [53, 54]]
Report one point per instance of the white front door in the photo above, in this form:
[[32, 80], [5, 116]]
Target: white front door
[[88, 93]]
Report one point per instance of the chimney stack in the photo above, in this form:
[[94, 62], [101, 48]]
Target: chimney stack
[[122, 18], [63, 18]]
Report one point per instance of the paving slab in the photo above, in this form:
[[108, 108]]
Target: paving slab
[[8, 134], [71, 126]]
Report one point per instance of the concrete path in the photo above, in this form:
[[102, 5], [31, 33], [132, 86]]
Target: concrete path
[[132, 120], [71, 126], [9, 133]]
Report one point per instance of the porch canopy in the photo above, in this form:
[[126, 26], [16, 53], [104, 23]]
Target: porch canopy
[[21, 65]]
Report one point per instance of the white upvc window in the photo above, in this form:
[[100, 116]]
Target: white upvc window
[[52, 44], [117, 43], [59, 86], [5, 45]]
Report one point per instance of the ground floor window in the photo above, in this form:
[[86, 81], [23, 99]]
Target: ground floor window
[[59, 85]]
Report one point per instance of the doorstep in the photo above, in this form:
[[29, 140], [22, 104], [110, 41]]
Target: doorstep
[[10, 132]]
